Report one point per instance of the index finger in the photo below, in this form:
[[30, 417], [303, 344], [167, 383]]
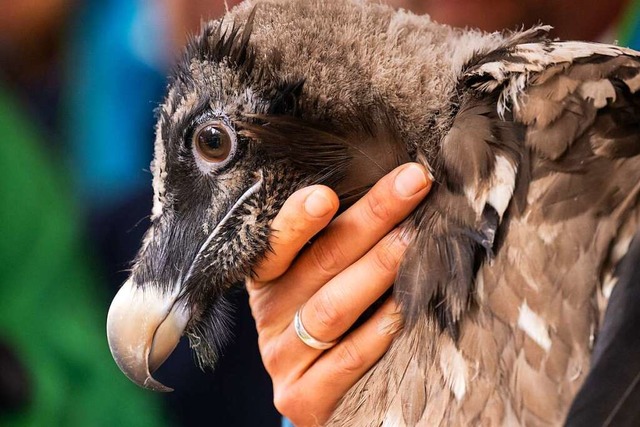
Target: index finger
[[361, 226], [305, 212], [352, 234]]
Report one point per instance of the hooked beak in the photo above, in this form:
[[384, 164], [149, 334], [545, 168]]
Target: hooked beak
[[144, 325]]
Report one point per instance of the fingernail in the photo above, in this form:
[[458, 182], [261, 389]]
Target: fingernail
[[410, 180], [317, 204]]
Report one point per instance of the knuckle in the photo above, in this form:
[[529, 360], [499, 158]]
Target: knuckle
[[377, 208], [326, 311], [262, 311], [287, 400], [269, 356], [327, 257], [273, 351], [350, 358], [262, 323]]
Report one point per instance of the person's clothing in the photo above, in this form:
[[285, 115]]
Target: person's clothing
[[628, 30], [52, 314], [115, 77]]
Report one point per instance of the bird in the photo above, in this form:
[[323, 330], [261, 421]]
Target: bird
[[512, 288]]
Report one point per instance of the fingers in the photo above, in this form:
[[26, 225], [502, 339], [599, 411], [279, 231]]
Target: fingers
[[347, 268], [331, 311], [351, 235], [338, 369], [370, 218], [361, 226], [305, 213]]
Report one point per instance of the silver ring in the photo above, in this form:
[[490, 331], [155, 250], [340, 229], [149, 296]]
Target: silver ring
[[306, 337]]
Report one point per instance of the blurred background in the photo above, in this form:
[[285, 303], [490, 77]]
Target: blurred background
[[79, 80]]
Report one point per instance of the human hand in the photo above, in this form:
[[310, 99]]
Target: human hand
[[352, 264]]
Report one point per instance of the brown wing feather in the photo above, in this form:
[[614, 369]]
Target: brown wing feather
[[457, 223], [588, 152], [582, 133], [577, 174]]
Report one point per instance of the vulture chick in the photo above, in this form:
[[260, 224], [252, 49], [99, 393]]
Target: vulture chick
[[533, 145]]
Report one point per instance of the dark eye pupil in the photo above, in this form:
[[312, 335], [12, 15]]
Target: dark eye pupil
[[213, 143], [210, 139]]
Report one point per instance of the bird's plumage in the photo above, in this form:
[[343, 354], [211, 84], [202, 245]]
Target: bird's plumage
[[533, 147], [609, 396]]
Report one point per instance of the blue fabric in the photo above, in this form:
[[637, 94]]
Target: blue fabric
[[629, 27], [633, 40], [286, 423], [117, 77]]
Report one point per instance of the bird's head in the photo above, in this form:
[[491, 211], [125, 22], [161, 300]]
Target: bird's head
[[231, 145]]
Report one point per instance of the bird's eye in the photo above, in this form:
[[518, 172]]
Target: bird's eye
[[212, 142]]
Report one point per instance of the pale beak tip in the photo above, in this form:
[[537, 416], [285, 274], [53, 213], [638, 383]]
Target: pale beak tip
[[143, 328], [151, 384]]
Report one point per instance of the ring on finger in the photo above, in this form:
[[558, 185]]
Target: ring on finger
[[306, 337]]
